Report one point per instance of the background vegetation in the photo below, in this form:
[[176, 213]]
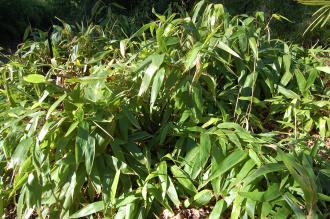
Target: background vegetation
[[146, 113], [41, 14]]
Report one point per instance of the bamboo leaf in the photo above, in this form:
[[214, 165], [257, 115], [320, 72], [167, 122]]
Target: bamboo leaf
[[223, 46], [55, 105], [182, 178], [263, 170], [229, 162], [204, 150], [325, 69], [288, 93], [89, 209], [157, 83], [35, 78], [156, 62], [20, 153]]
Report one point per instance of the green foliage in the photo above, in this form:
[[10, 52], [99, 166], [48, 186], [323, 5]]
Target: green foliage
[[190, 110]]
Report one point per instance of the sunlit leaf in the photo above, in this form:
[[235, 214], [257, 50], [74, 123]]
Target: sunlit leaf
[[35, 78]]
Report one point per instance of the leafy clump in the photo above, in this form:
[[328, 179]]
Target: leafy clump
[[190, 111]]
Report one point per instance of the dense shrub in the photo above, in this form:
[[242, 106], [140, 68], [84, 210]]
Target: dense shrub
[[193, 110]]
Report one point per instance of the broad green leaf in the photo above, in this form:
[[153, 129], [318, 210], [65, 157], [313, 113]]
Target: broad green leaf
[[286, 78], [126, 200], [114, 187], [210, 122], [323, 197], [269, 195], [249, 164], [250, 83], [82, 141], [33, 192], [69, 194], [203, 154], [298, 212], [253, 46], [219, 207], [19, 182], [55, 105], [288, 93], [301, 176], [89, 154], [280, 17], [217, 158], [94, 85], [89, 209], [287, 62], [20, 152], [172, 193], [122, 47], [211, 83], [162, 174], [237, 206], [156, 62], [44, 130], [325, 69], [182, 178], [322, 127], [301, 81], [72, 127], [191, 56], [266, 208], [229, 162], [263, 170], [142, 30], [156, 193], [162, 18], [35, 78], [254, 156], [197, 10], [156, 85], [129, 115], [98, 57], [202, 198], [191, 29], [250, 207], [311, 78], [231, 125], [41, 99], [160, 39], [223, 46]]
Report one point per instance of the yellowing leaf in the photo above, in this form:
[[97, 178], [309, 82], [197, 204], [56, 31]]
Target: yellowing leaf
[[35, 78]]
